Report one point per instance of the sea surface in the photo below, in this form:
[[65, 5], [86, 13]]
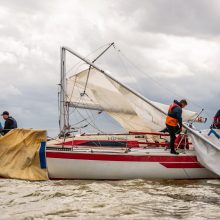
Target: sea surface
[[132, 199]]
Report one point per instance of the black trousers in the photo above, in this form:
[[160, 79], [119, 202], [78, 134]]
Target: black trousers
[[216, 126], [172, 131]]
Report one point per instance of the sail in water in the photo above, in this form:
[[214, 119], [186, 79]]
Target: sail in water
[[100, 91]]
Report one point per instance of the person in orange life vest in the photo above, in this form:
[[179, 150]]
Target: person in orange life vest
[[216, 121], [174, 122]]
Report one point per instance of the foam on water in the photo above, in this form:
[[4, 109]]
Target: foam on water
[[133, 199]]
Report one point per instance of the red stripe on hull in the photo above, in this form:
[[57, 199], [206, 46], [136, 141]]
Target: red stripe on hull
[[131, 158], [182, 165], [81, 142]]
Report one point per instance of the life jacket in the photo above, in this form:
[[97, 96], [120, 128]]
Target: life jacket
[[14, 125], [216, 122], [170, 120]]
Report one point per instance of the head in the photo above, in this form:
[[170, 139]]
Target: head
[[183, 103], [5, 115]]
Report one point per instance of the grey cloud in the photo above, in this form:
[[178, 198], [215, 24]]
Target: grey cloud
[[26, 6], [33, 31], [178, 17]]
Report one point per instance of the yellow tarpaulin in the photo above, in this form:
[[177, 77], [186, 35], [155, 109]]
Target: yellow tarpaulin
[[19, 155]]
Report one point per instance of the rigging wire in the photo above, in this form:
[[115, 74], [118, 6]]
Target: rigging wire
[[86, 80], [66, 95], [152, 79], [94, 126], [89, 70], [89, 122], [94, 51], [117, 114], [81, 101], [91, 118], [105, 103], [88, 116]]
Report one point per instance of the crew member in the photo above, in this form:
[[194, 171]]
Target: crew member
[[216, 121], [174, 122], [1, 129], [10, 122]]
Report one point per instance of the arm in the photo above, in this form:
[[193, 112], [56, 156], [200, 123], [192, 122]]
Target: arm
[[8, 124], [7, 127], [178, 113]]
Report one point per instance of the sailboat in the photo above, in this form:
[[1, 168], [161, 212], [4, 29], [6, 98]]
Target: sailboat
[[140, 152]]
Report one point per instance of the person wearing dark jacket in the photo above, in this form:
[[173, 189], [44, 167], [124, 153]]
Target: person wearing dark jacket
[[1, 128], [216, 121], [10, 122], [174, 122]]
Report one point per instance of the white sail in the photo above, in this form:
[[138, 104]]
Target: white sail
[[130, 109], [207, 146]]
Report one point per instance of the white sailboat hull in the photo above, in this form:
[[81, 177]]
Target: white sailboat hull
[[144, 164]]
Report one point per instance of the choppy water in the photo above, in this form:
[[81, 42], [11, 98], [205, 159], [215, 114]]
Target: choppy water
[[133, 199]]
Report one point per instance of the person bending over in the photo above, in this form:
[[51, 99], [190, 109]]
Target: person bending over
[[216, 121]]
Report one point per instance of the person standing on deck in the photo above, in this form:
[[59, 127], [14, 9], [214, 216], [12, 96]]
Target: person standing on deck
[[216, 121], [174, 122], [10, 123]]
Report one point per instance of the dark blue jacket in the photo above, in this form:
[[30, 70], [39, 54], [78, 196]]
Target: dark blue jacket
[[216, 123], [177, 113], [217, 114], [10, 123]]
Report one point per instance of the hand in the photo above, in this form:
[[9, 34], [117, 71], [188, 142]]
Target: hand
[[179, 130]]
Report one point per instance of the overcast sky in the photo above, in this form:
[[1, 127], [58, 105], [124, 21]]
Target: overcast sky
[[175, 44]]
